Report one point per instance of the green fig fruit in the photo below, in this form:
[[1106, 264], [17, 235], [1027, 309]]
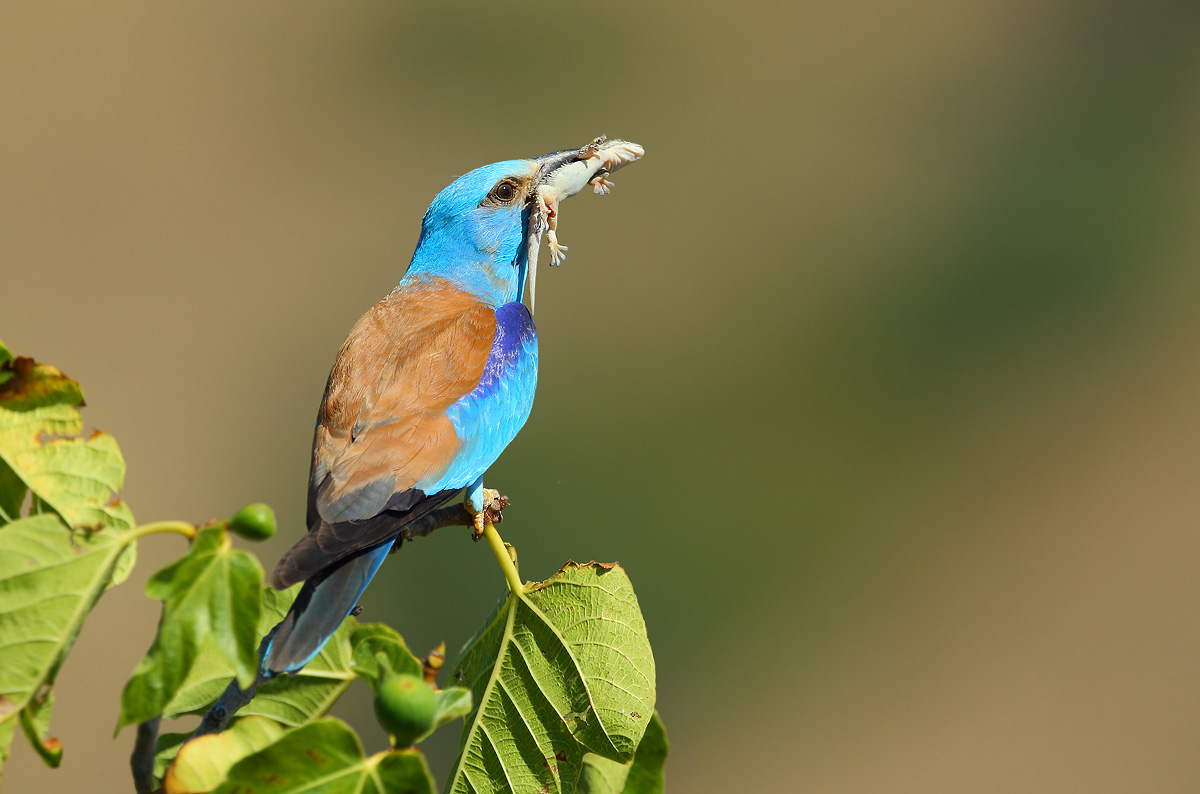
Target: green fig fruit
[[253, 522], [406, 707]]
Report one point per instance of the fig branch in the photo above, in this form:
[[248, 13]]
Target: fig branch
[[500, 549]]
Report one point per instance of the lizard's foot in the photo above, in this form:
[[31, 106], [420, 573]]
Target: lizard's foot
[[558, 252], [600, 184], [493, 504]]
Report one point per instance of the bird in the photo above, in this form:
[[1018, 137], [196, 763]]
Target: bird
[[430, 386]]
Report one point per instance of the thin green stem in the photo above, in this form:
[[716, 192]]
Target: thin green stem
[[506, 563], [162, 527]]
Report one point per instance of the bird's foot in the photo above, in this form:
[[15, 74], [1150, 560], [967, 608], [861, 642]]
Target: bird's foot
[[493, 505], [558, 251]]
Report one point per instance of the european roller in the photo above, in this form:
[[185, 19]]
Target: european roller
[[431, 385]]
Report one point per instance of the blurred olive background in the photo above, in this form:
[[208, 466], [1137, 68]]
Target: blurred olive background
[[879, 373]]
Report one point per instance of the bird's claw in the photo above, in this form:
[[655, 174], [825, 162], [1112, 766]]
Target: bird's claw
[[493, 505]]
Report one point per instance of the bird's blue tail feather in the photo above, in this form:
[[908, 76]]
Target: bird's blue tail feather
[[318, 610]]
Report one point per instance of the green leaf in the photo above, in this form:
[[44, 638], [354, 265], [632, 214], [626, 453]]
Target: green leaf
[[643, 775], [203, 763], [308, 695], [452, 703], [296, 700], [41, 451], [602, 776], [647, 776], [326, 756], [371, 641], [50, 577], [292, 701], [210, 600], [289, 700], [563, 667]]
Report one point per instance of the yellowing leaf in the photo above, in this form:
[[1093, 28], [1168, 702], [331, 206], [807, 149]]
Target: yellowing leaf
[[41, 451], [50, 577], [202, 763]]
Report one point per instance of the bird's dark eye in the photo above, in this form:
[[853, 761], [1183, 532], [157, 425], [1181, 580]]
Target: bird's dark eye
[[505, 191]]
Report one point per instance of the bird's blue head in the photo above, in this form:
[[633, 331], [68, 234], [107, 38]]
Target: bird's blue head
[[483, 231], [474, 232]]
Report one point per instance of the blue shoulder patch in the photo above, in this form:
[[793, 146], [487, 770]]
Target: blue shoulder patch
[[489, 417]]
